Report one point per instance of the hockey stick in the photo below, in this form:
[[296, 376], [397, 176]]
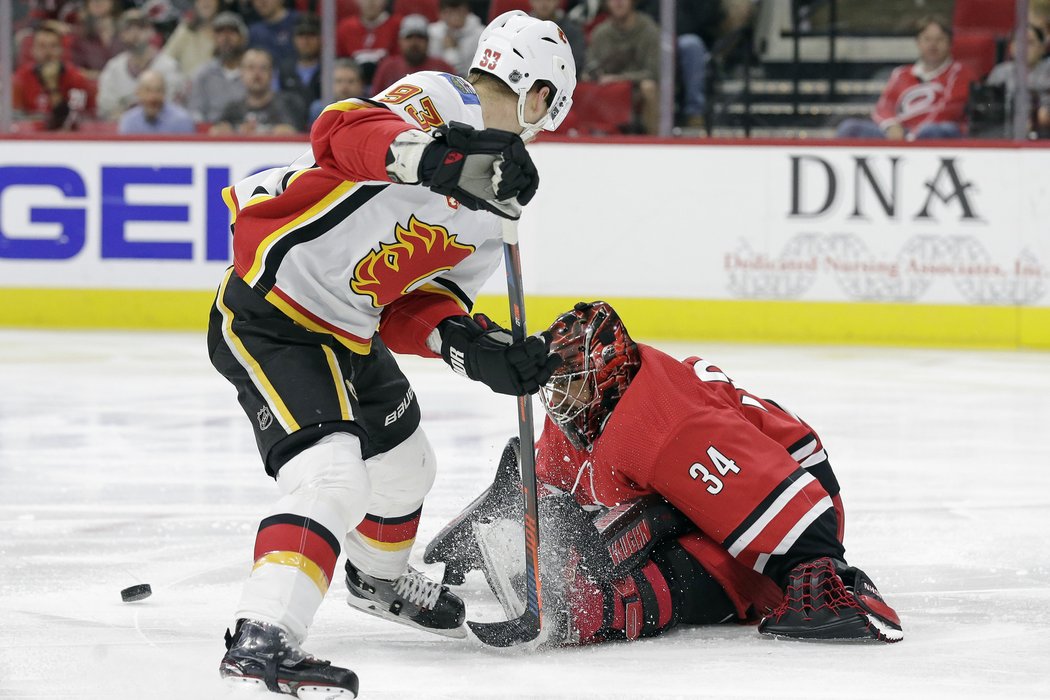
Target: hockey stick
[[526, 627]]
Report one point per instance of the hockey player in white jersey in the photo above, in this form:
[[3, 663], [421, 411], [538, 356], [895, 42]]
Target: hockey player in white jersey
[[376, 240]]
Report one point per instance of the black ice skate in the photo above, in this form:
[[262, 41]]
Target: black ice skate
[[411, 599], [265, 654], [828, 600]]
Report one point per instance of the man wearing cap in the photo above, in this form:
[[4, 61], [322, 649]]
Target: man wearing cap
[[413, 42], [118, 81], [302, 76], [218, 82]]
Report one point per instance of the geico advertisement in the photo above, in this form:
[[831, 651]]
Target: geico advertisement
[[957, 226], [121, 215]]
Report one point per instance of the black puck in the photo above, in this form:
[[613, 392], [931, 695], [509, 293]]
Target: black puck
[[133, 593]]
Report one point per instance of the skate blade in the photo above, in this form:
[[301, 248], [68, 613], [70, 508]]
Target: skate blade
[[374, 609], [245, 686], [862, 629]]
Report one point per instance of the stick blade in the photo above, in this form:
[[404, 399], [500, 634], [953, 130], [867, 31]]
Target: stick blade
[[509, 633]]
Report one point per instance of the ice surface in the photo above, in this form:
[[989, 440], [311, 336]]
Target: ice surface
[[124, 458]]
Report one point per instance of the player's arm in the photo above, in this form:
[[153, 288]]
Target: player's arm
[[885, 114], [483, 169], [435, 321]]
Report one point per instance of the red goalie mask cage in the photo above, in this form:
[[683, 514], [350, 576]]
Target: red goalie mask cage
[[599, 360]]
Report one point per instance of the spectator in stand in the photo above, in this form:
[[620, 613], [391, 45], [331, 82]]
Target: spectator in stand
[[193, 42], [346, 83], [154, 114], [926, 100], [219, 83], [50, 88], [369, 37], [302, 76], [626, 46], [454, 37], [413, 43], [95, 39], [119, 79], [263, 111], [698, 24], [550, 10], [1038, 78], [274, 30]]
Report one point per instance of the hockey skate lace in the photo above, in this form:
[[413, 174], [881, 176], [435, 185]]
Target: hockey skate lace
[[418, 589]]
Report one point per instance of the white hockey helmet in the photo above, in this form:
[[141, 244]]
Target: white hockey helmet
[[521, 50]]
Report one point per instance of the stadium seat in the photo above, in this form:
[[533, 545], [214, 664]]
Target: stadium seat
[[498, 7], [600, 109], [975, 50], [991, 17], [427, 8]]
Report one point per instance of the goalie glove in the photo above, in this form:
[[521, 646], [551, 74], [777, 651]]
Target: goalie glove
[[481, 350], [486, 169]]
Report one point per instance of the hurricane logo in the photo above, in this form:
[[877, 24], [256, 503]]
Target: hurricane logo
[[918, 100], [419, 251]]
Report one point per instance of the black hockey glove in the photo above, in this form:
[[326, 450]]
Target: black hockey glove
[[488, 169], [483, 351]]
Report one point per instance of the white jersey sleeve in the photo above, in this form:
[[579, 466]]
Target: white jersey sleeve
[[429, 100]]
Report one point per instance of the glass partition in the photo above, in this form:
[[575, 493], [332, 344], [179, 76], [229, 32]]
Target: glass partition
[[910, 69]]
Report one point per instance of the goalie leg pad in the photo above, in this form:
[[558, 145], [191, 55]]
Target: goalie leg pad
[[828, 600], [456, 544]]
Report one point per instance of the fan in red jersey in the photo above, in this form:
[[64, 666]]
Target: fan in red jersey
[[673, 496], [924, 100]]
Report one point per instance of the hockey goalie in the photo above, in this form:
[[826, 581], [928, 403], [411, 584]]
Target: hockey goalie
[[668, 495]]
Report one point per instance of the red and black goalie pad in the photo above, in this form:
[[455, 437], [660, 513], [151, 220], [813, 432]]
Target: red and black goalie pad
[[631, 530], [827, 600]]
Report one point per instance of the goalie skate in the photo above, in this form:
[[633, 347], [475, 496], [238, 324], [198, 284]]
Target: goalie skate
[[263, 654], [827, 600], [411, 599]]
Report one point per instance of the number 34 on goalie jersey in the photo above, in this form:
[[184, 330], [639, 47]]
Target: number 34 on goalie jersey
[[723, 464]]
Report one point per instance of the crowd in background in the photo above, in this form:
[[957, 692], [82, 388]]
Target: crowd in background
[[252, 67]]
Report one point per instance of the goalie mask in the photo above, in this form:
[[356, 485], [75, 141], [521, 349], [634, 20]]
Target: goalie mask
[[599, 360]]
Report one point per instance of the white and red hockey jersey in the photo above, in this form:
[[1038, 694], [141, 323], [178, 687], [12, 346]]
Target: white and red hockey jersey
[[338, 247], [914, 97]]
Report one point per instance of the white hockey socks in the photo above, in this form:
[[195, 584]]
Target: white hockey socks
[[326, 489]]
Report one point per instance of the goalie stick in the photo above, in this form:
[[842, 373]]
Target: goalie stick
[[526, 627]]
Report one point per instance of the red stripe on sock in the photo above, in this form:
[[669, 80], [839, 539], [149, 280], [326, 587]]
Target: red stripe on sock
[[387, 532], [292, 538]]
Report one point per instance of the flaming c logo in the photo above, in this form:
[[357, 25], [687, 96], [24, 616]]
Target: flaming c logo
[[419, 251]]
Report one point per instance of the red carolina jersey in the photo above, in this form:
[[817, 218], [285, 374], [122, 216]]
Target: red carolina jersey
[[914, 97], [30, 95], [368, 44], [738, 466]]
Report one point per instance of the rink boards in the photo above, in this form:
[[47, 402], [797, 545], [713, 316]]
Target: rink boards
[[728, 240]]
